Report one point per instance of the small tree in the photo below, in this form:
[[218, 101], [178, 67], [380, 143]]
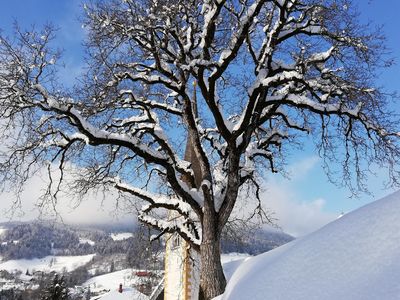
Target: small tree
[[57, 289], [88, 294], [268, 71]]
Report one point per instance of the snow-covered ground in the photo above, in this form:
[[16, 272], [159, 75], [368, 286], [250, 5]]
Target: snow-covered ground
[[121, 236], [86, 241], [127, 294], [230, 257], [231, 261], [47, 264], [2, 231], [356, 257], [111, 281]]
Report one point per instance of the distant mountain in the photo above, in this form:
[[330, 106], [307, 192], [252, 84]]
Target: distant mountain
[[108, 227], [38, 239], [30, 240], [31, 253]]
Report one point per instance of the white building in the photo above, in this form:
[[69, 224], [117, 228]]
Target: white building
[[182, 270], [182, 263]]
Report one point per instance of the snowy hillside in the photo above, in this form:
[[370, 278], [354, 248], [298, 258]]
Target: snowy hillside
[[2, 230], [111, 282], [47, 264], [127, 294], [354, 257], [121, 236]]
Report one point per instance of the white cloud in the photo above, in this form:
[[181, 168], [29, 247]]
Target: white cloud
[[301, 168], [94, 208], [295, 216]]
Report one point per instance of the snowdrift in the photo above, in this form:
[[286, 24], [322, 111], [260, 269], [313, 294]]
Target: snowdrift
[[354, 257]]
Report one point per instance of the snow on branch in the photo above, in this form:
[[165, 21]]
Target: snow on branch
[[95, 135], [227, 55], [141, 101], [173, 226], [154, 200], [210, 10]]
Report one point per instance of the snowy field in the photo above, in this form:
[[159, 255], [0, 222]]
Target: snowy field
[[47, 264], [2, 231], [127, 294], [231, 257], [111, 281], [356, 257], [86, 241], [121, 236]]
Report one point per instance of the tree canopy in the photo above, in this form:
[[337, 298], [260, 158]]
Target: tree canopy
[[267, 72]]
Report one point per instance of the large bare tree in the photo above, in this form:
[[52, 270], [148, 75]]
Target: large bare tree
[[268, 73]]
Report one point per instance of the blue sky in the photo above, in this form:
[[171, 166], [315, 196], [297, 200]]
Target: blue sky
[[63, 14], [308, 191]]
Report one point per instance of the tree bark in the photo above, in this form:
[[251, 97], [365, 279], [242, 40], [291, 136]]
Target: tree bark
[[212, 278]]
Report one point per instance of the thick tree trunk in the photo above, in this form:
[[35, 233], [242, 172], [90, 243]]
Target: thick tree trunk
[[212, 278]]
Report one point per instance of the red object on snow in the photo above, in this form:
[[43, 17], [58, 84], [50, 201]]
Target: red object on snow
[[143, 273], [120, 288]]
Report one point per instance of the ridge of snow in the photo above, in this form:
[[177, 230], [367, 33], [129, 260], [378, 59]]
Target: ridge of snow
[[354, 257]]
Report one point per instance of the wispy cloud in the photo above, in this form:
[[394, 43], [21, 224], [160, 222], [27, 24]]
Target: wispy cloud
[[93, 209], [302, 167], [296, 214]]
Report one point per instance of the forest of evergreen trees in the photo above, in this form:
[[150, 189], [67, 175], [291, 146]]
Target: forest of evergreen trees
[[39, 240]]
